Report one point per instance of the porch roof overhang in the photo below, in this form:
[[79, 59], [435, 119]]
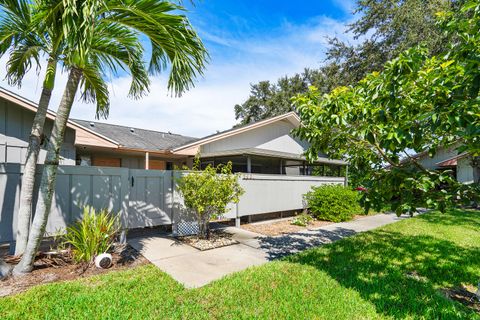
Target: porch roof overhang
[[270, 154], [451, 162]]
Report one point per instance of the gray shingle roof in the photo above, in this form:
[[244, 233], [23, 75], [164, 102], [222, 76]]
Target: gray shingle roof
[[136, 138]]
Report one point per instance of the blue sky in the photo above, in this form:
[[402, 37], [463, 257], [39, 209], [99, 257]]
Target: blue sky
[[248, 41]]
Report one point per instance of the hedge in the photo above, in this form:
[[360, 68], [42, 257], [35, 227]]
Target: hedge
[[334, 203]]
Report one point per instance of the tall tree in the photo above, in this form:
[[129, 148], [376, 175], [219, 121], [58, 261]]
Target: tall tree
[[417, 103], [384, 28], [103, 36], [24, 39]]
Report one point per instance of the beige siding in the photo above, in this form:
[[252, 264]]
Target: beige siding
[[85, 138], [276, 136]]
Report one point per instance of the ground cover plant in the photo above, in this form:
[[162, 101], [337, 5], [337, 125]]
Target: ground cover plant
[[400, 271]]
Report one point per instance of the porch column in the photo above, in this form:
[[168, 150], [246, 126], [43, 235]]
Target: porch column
[[147, 160], [249, 164]]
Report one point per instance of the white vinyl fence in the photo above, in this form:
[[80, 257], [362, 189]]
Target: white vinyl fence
[[143, 197]]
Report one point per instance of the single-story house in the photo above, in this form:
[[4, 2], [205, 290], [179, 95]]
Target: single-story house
[[129, 170], [264, 147], [450, 159]]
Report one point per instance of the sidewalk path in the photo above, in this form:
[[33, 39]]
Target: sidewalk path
[[194, 268]]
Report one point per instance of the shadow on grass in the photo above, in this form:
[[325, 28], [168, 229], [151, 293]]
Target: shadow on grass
[[380, 264], [462, 218], [282, 246]]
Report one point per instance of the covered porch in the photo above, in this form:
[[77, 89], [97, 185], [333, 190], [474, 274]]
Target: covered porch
[[261, 161]]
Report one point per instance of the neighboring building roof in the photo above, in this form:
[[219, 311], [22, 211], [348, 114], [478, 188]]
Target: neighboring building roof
[[452, 162], [290, 116], [136, 138], [269, 153]]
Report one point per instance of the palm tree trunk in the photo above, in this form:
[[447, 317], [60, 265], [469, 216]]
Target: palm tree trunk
[[47, 185], [29, 171]]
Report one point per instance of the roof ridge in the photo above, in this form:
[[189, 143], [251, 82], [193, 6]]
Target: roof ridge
[[131, 127]]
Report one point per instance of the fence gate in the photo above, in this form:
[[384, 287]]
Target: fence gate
[[150, 198]]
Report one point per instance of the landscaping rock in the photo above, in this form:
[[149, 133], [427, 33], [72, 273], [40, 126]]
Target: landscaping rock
[[217, 239]]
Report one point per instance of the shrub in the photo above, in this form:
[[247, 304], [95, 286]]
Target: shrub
[[302, 220], [333, 203], [208, 192], [92, 235]]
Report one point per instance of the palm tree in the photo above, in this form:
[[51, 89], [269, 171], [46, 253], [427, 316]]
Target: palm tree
[[101, 36], [23, 38]]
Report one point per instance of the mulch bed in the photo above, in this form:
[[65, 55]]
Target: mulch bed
[[54, 267], [277, 228], [217, 239]]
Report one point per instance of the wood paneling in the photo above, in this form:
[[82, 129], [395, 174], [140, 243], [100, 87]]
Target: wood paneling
[[157, 165], [106, 162]]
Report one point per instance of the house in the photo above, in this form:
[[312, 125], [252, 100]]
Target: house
[[449, 159], [264, 147], [129, 170], [86, 143]]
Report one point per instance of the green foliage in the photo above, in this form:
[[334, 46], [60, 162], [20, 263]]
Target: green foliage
[[417, 103], [92, 235], [208, 192], [302, 220], [100, 38], [395, 272], [333, 203], [386, 28]]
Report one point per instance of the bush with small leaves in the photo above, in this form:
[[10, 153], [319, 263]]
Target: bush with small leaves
[[333, 203], [208, 192]]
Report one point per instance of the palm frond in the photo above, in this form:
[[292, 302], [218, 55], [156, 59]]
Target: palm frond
[[118, 47], [20, 62], [95, 90], [173, 39]]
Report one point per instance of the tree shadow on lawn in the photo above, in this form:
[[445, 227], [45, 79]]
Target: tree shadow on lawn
[[460, 218], [400, 274], [285, 245]]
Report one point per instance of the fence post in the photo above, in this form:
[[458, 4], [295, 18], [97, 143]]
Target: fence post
[[124, 198], [237, 216]]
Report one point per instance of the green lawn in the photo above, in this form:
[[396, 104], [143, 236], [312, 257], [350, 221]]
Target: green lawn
[[367, 276]]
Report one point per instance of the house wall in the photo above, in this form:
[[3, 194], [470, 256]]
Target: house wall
[[275, 136], [15, 127], [464, 170], [441, 155], [126, 160]]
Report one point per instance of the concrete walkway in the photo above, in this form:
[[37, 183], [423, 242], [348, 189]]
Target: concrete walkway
[[194, 268]]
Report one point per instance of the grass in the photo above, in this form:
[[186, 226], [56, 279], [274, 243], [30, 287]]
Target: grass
[[367, 276]]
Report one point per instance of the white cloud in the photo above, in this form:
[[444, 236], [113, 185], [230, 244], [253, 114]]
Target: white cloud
[[237, 61], [348, 6]]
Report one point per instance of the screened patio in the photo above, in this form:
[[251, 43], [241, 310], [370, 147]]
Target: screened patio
[[278, 163]]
